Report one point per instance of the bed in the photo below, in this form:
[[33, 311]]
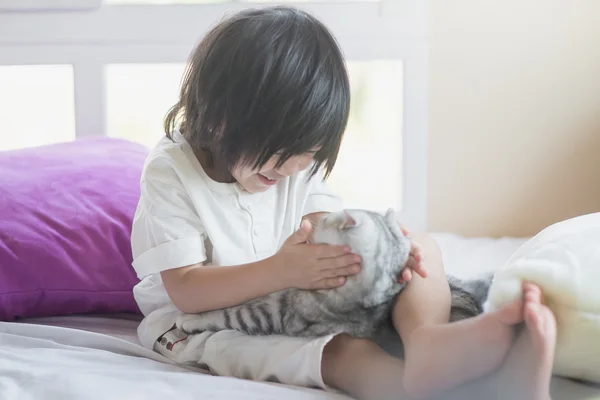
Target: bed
[[99, 356]]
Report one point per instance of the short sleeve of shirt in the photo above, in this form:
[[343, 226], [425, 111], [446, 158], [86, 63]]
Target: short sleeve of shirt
[[321, 198], [167, 232]]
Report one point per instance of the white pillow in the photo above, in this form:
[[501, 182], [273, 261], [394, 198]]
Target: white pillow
[[564, 260]]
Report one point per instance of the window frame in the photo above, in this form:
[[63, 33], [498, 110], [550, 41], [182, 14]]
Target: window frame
[[366, 30], [48, 5]]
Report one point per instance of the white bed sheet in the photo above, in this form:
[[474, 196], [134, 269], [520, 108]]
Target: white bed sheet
[[99, 357]]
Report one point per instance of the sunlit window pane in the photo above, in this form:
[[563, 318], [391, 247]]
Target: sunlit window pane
[[230, 1], [368, 170], [310, 1], [36, 105], [139, 97], [165, 1]]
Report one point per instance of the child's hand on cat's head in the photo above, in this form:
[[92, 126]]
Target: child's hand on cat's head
[[314, 266], [415, 260]]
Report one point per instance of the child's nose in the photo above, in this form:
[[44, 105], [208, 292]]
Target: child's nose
[[295, 165]]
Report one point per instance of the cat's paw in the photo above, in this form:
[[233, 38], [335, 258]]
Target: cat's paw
[[188, 323]]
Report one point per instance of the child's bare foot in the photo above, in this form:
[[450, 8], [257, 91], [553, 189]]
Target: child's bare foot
[[441, 357], [528, 368], [526, 372]]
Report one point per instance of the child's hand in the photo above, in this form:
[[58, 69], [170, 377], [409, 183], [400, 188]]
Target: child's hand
[[314, 266], [415, 261]]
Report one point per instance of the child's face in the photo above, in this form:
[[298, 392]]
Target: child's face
[[261, 180]]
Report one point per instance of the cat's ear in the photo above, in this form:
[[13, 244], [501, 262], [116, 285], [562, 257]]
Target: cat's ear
[[391, 216], [392, 220], [348, 221]]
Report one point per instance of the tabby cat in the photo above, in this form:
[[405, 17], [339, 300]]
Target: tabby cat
[[360, 307]]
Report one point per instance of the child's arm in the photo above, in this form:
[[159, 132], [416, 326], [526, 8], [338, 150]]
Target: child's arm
[[199, 288]]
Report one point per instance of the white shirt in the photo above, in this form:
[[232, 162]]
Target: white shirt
[[184, 217]]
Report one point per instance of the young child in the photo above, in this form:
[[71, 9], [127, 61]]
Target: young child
[[257, 128]]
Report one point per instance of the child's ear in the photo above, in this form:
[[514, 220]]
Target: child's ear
[[348, 221]]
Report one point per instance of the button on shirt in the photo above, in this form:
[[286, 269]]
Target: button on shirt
[[184, 217]]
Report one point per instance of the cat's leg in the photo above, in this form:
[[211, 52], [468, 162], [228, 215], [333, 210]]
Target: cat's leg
[[213, 321], [257, 317], [441, 355]]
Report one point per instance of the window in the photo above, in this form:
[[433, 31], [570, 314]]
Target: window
[[368, 171], [165, 1], [225, 1], [138, 98], [113, 68], [45, 5], [37, 105], [140, 95]]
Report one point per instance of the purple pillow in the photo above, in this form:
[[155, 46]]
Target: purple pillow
[[66, 212]]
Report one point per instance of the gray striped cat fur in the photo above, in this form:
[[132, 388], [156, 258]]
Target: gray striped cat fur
[[360, 307]]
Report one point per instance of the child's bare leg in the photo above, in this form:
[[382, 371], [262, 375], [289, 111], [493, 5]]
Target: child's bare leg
[[362, 369], [527, 370], [440, 355]]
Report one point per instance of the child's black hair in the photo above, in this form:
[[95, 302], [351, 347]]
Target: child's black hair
[[264, 82]]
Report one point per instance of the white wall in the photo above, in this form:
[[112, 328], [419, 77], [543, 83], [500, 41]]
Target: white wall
[[514, 140]]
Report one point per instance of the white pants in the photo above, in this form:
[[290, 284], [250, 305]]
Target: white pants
[[288, 360]]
